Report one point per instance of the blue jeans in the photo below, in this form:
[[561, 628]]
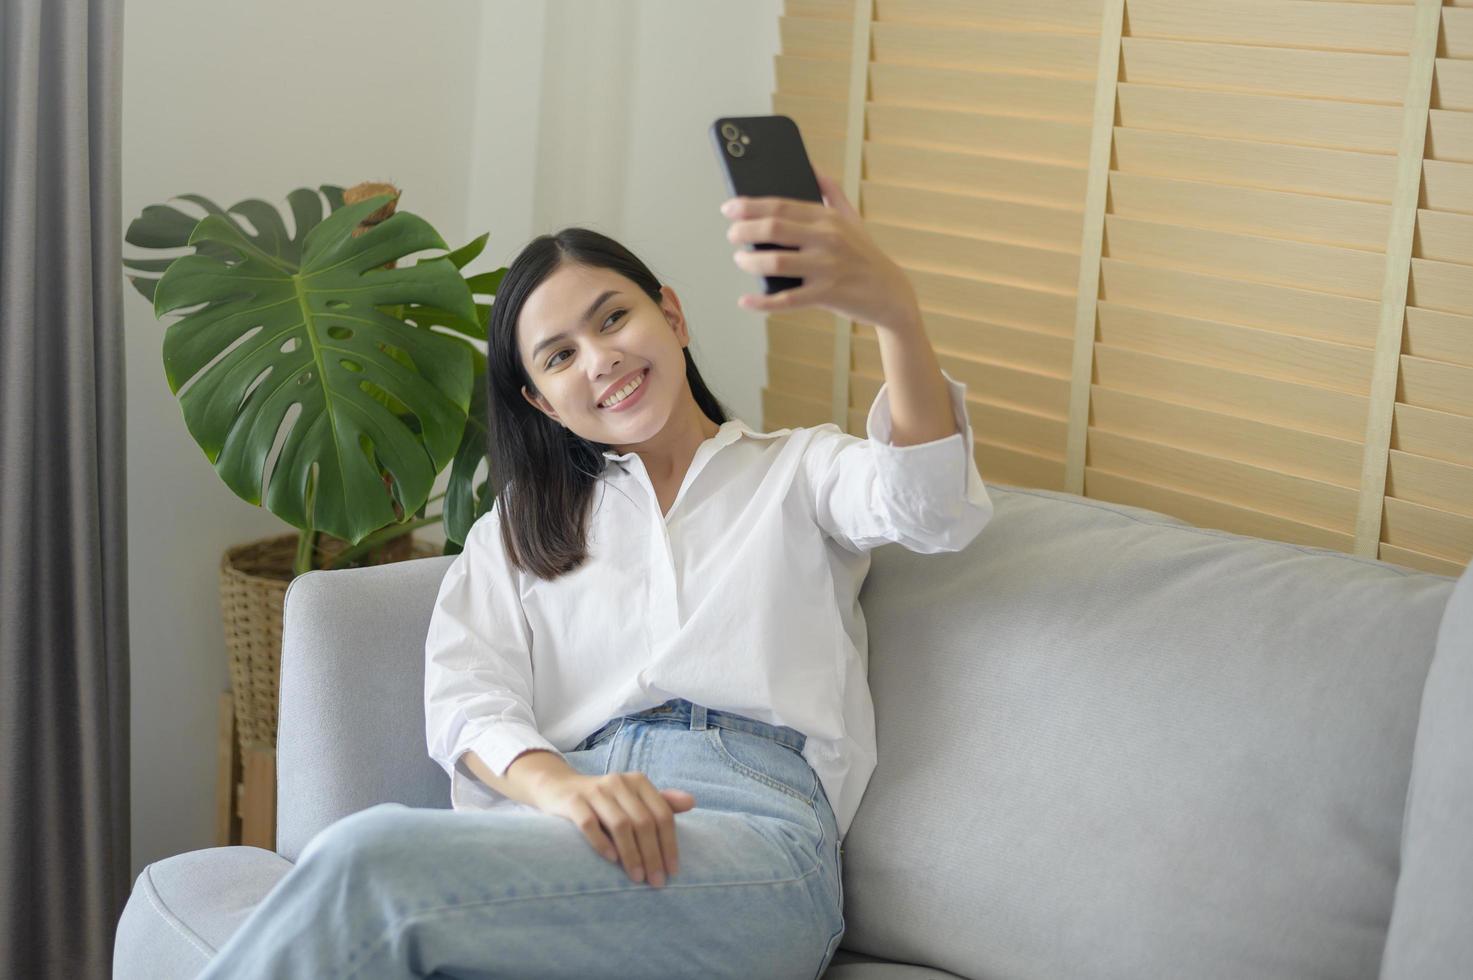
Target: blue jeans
[[396, 891]]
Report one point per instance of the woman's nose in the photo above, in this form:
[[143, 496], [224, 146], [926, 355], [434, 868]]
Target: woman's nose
[[608, 365]]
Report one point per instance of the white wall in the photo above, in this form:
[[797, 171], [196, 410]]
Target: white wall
[[628, 90], [509, 117], [717, 62]]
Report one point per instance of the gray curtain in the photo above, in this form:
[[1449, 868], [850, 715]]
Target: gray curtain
[[64, 826]]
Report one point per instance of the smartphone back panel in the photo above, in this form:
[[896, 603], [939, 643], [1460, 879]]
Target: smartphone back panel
[[764, 156]]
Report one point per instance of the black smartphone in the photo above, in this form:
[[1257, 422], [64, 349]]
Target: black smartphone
[[764, 156]]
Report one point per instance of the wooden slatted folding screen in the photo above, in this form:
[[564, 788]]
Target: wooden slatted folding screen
[[1428, 517], [1213, 259]]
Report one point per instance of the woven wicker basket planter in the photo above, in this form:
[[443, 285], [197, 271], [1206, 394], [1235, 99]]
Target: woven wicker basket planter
[[253, 582]]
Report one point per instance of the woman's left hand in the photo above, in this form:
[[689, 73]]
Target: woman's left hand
[[842, 269]]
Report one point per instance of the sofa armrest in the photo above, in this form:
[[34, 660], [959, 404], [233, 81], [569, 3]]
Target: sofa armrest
[[350, 729], [1429, 935]]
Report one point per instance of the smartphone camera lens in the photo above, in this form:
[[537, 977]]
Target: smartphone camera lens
[[729, 131], [735, 149]]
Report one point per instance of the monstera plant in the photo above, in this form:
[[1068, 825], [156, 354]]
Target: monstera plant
[[378, 359]]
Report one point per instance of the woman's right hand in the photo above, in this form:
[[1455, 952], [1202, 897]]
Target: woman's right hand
[[624, 817]]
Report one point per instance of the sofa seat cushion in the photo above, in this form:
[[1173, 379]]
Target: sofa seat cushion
[[847, 965], [1111, 744], [185, 907]]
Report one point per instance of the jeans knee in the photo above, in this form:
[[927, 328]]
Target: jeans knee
[[365, 836]]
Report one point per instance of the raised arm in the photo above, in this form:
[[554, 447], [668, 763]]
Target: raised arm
[[927, 496], [914, 479]]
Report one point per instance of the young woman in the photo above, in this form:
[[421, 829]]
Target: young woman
[[646, 671]]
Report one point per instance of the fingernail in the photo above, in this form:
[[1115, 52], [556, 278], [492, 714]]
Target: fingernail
[[728, 208], [639, 874], [657, 879]]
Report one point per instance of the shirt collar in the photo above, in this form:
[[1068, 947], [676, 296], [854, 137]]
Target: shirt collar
[[729, 432]]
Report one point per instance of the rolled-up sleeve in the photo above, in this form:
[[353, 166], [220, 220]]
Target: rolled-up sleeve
[[928, 497], [478, 667]]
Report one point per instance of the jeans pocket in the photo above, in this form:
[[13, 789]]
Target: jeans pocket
[[766, 761], [598, 738], [593, 759]]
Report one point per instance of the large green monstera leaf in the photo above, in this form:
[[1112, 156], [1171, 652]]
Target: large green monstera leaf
[[162, 226], [302, 321], [465, 500]]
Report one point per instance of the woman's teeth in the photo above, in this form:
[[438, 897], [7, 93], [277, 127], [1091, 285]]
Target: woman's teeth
[[623, 392]]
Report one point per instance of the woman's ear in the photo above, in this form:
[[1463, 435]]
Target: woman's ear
[[674, 315], [541, 404]]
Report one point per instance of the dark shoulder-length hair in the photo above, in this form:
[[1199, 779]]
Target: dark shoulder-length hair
[[544, 527]]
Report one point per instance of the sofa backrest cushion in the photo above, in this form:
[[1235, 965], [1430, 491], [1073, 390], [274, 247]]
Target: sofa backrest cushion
[[1115, 745], [1432, 923]]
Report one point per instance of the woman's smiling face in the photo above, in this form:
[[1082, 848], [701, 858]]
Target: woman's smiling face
[[587, 332]]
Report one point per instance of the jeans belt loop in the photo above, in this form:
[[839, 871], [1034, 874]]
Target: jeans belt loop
[[698, 718]]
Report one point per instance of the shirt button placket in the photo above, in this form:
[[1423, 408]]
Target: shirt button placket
[[664, 619], [669, 605], [663, 603]]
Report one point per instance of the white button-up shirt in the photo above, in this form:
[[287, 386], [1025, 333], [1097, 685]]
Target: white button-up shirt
[[743, 598]]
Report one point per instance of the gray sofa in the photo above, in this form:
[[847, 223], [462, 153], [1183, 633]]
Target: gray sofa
[[1111, 745]]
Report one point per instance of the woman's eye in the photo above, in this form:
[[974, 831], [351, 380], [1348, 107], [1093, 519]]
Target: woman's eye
[[553, 360]]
